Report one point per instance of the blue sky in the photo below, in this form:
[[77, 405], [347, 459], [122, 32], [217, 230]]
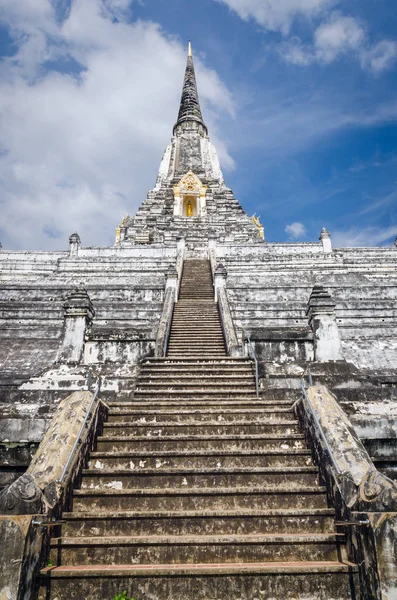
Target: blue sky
[[299, 97]]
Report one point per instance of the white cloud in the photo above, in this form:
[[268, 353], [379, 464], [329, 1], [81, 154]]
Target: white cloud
[[380, 57], [295, 230], [277, 15], [337, 36], [365, 236], [81, 147]]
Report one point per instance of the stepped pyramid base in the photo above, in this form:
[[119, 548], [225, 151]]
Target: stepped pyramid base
[[197, 489]]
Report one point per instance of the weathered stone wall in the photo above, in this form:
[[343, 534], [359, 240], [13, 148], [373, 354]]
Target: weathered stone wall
[[269, 287], [126, 290]]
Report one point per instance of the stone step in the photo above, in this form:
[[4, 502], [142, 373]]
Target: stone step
[[200, 384], [203, 328], [197, 479], [201, 429], [197, 341], [214, 403], [172, 549], [193, 369], [191, 373], [188, 376], [228, 361], [196, 346], [155, 418], [326, 580], [195, 319], [205, 460], [264, 496], [195, 335], [196, 394], [194, 293], [200, 442], [205, 522], [205, 300], [195, 316], [211, 353], [201, 322]]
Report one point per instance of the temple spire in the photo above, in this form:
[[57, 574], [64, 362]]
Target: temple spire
[[189, 110]]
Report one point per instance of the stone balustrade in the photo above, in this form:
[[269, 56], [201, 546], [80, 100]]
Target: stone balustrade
[[363, 497]]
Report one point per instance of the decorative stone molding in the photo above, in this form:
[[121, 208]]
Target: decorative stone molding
[[325, 239], [23, 496], [74, 244], [79, 313], [321, 313]]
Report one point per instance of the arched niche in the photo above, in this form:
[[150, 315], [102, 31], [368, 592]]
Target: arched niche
[[189, 208]]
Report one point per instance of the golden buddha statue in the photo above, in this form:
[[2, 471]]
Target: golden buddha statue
[[189, 209]]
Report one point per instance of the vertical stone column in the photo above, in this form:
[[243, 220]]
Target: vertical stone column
[[325, 239], [232, 345], [74, 243], [321, 313], [79, 313], [163, 331]]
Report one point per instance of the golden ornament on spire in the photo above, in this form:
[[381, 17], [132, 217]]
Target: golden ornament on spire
[[189, 50]]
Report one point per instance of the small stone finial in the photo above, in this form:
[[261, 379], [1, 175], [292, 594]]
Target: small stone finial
[[395, 242], [77, 302], [320, 301], [220, 270], [189, 49], [74, 243], [324, 233], [325, 239], [321, 314], [74, 238]]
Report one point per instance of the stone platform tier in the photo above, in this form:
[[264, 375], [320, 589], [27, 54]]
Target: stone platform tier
[[198, 489]]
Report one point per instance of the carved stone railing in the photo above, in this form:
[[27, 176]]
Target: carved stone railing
[[163, 332], [179, 264], [365, 500], [44, 487], [229, 332], [173, 282], [35, 501]]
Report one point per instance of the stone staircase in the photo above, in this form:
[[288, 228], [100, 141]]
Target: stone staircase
[[197, 489]]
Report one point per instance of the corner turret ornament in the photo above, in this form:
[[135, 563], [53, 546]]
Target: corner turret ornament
[[121, 227], [257, 222]]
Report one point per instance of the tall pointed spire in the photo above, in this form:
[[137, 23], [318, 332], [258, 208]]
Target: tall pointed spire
[[189, 109]]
